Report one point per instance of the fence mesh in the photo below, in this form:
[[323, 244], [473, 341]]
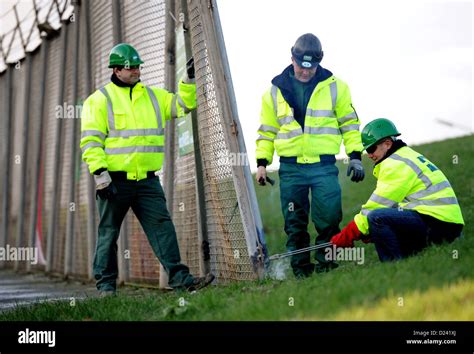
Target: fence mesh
[[34, 137], [229, 255], [18, 108], [101, 24], [82, 177], [144, 28]]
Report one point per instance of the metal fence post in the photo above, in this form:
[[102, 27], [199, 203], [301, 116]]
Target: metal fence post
[[199, 171], [75, 164], [7, 159], [91, 214], [123, 238], [23, 157], [168, 182], [117, 21], [36, 159], [57, 165]]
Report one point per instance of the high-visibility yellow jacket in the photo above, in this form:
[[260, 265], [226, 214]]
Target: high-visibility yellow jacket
[[407, 180], [329, 119], [123, 134]]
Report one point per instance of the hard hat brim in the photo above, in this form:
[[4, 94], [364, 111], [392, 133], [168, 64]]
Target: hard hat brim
[[136, 62]]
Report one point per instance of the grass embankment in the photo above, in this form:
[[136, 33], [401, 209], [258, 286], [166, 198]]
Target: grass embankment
[[437, 284]]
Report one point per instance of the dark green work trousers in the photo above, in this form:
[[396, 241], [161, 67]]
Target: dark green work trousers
[[296, 181], [147, 200]]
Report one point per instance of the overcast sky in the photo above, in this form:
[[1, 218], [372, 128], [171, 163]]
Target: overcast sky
[[407, 60]]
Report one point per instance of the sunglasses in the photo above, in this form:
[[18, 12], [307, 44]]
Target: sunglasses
[[129, 67], [371, 150], [133, 67]]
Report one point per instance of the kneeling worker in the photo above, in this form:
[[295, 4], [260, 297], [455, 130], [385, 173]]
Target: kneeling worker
[[413, 204]]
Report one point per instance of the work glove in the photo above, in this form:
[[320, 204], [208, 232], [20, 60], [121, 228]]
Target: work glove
[[355, 166], [261, 175], [105, 189], [190, 68], [347, 236]]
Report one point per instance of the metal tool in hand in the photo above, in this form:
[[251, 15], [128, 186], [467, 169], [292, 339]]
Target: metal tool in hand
[[261, 181], [302, 250]]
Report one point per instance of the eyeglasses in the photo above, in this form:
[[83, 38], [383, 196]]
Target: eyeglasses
[[133, 67], [371, 150]]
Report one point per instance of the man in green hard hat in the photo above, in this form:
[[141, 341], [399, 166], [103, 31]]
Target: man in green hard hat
[[413, 204], [123, 142]]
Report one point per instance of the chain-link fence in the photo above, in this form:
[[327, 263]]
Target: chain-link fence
[[48, 196]]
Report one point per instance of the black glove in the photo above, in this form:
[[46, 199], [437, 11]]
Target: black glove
[[355, 166], [190, 68], [262, 181], [105, 188], [108, 192]]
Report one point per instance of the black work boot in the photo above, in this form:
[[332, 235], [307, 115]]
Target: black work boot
[[201, 282], [325, 267], [303, 270], [107, 293]]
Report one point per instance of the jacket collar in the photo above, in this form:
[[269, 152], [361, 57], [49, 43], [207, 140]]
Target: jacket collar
[[397, 144], [116, 81], [120, 83], [395, 147]]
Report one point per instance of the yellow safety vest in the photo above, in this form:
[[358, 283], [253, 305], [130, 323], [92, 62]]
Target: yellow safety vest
[[123, 134], [329, 118], [407, 180]]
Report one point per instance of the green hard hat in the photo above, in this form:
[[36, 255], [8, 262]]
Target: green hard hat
[[376, 130], [124, 54]]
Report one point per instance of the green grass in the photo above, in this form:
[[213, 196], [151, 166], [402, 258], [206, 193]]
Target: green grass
[[437, 284]]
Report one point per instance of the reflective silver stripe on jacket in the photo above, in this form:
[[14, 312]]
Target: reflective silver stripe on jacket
[[132, 149], [347, 118], [384, 201], [156, 107], [174, 113], [91, 144], [290, 134], [110, 110], [333, 88], [424, 178], [365, 212], [262, 137], [349, 127], [428, 191], [95, 133], [182, 104], [134, 132], [274, 93], [286, 120], [434, 202], [320, 113], [321, 130], [268, 128]]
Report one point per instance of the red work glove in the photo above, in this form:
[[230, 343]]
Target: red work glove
[[347, 236]]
